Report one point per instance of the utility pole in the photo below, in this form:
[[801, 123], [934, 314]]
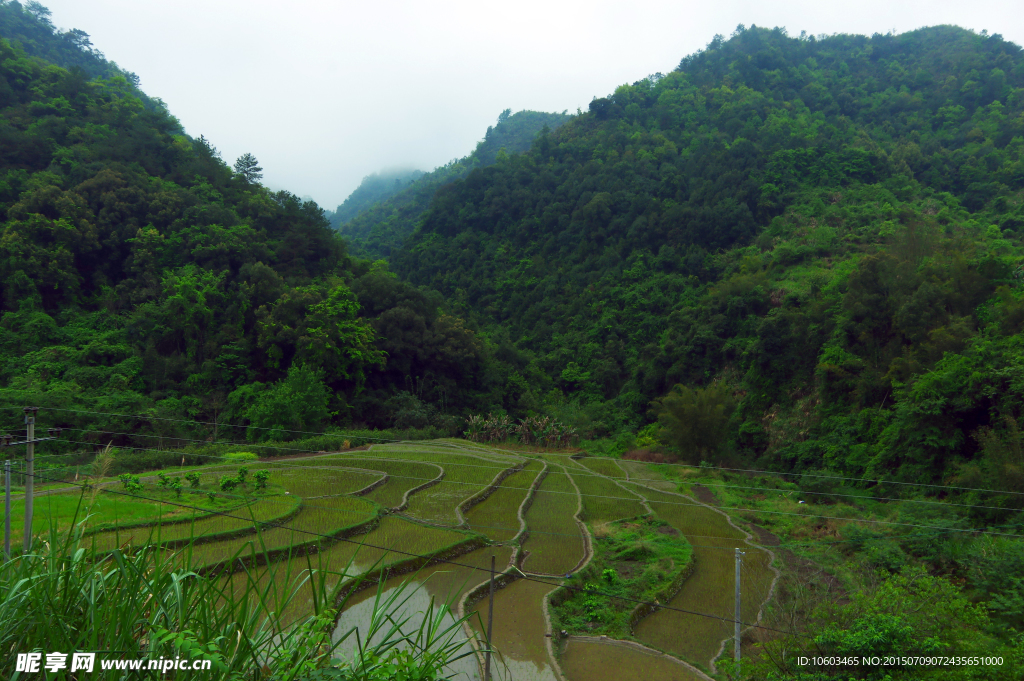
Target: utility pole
[[7, 510], [30, 478], [30, 455], [490, 624], [739, 561]]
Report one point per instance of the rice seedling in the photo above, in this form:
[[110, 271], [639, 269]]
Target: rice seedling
[[147, 604], [709, 588], [317, 517], [603, 500], [554, 540], [322, 481], [519, 629], [497, 516], [392, 541], [204, 527], [602, 466]]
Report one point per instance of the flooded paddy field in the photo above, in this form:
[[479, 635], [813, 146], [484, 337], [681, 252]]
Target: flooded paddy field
[[410, 499], [554, 543], [497, 516]]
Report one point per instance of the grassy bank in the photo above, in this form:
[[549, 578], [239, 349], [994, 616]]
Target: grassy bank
[[642, 559]]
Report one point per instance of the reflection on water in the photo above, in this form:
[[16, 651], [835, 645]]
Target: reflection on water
[[442, 582], [414, 602], [595, 661], [519, 629]]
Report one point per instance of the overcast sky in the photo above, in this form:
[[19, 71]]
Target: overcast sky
[[324, 93]]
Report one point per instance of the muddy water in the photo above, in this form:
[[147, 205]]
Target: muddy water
[[519, 629], [709, 589], [441, 582], [497, 516], [595, 661]]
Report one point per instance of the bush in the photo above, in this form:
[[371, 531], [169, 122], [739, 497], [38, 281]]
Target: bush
[[240, 456]]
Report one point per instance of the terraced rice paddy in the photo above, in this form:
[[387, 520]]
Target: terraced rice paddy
[[603, 500], [402, 477], [518, 634], [497, 516], [710, 587], [608, 661], [555, 543], [391, 542], [317, 517], [319, 502], [265, 509], [464, 476], [321, 481], [603, 466], [441, 582]]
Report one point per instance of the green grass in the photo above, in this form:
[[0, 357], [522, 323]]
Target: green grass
[[710, 588], [637, 560], [602, 466], [316, 517], [603, 500], [350, 558], [464, 476], [496, 517], [403, 476], [264, 509], [554, 541], [321, 481]]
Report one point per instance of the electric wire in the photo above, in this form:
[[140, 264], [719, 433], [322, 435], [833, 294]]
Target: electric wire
[[285, 464], [429, 557], [495, 448]]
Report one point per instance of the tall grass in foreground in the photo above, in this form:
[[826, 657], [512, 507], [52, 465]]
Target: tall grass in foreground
[[150, 603]]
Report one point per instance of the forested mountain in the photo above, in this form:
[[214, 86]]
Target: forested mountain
[[379, 230], [375, 187], [139, 274], [30, 26], [829, 227]]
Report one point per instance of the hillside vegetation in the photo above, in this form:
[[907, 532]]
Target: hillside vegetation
[[828, 230], [380, 229]]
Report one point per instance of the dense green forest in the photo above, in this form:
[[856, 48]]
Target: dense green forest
[[818, 239], [374, 188], [831, 228], [140, 274], [379, 230]]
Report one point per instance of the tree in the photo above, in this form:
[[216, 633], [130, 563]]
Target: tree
[[248, 167], [695, 421]]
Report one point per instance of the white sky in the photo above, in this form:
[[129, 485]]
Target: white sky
[[324, 93]]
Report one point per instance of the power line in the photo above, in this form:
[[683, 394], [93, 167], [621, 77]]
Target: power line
[[939, 530], [495, 448], [471, 567], [587, 472], [598, 496]]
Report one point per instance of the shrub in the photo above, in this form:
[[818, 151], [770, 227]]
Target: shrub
[[240, 456], [193, 479], [260, 478], [227, 484]]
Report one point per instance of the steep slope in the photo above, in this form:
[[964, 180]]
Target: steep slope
[[140, 275], [373, 189], [380, 229], [829, 226]]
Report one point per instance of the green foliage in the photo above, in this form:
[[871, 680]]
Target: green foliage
[[260, 479], [634, 561], [193, 479], [297, 403], [695, 421], [385, 209], [909, 614], [238, 457]]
